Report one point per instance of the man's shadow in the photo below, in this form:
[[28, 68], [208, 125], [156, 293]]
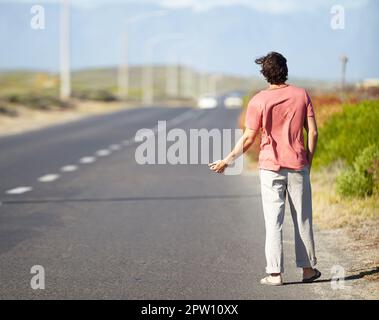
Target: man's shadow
[[356, 276]]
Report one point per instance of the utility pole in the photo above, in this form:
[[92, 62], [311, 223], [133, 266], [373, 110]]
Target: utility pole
[[123, 77], [213, 80], [174, 72], [186, 76], [203, 86], [344, 61], [172, 78], [65, 78], [147, 71], [123, 70]]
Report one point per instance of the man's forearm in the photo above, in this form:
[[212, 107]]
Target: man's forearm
[[312, 143], [241, 147]]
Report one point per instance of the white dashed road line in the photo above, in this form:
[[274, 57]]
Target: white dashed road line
[[19, 190], [127, 143], [86, 160], [100, 153], [48, 178], [69, 168], [103, 153], [115, 147]]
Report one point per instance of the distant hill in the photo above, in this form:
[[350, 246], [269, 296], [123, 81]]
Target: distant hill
[[190, 82]]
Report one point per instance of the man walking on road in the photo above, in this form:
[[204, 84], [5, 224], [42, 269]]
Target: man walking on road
[[281, 112]]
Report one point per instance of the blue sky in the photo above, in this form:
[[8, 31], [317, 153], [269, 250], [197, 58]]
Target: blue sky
[[270, 6], [211, 35]]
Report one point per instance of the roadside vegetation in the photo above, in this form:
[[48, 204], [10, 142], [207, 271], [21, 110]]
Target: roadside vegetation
[[30, 100], [346, 174]]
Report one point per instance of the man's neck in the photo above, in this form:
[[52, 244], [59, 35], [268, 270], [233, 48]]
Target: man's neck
[[277, 86]]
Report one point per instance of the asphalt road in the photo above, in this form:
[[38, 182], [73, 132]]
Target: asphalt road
[[114, 229]]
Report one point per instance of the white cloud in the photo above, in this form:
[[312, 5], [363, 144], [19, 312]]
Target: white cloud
[[268, 6]]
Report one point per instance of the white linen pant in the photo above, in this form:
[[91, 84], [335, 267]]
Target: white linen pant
[[275, 185]]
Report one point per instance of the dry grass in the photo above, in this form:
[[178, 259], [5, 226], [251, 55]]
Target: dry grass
[[359, 219], [333, 211], [31, 119], [324, 112]]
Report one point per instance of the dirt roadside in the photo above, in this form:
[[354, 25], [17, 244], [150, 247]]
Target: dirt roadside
[[341, 254], [349, 231], [27, 119]]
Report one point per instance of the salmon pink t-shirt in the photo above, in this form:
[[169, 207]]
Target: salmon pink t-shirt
[[281, 114]]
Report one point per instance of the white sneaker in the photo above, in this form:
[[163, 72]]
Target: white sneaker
[[272, 280]]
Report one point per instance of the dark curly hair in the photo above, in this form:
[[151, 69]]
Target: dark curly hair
[[274, 67]]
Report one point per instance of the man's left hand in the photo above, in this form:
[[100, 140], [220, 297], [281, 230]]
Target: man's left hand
[[218, 166]]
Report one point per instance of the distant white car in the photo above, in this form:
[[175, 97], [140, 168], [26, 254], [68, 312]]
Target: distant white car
[[232, 102], [207, 102]]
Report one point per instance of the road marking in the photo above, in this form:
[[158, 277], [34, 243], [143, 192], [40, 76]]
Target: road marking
[[115, 147], [86, 160], [103, 153], [171, 122], [19, 190], [127, 142], [69, 168], [48, 178], [180, 118]]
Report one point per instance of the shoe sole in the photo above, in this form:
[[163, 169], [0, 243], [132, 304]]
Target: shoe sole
[[315, 277], [272, 284]]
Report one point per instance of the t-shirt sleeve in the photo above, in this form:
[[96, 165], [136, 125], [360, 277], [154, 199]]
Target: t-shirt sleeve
[[310, 111], [253, 118]]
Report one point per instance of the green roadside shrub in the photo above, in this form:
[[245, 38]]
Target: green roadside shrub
[[365, 161], [345, 135], [34, 101], [362, 179], [351, 183], [97, 95], [7, 111]]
